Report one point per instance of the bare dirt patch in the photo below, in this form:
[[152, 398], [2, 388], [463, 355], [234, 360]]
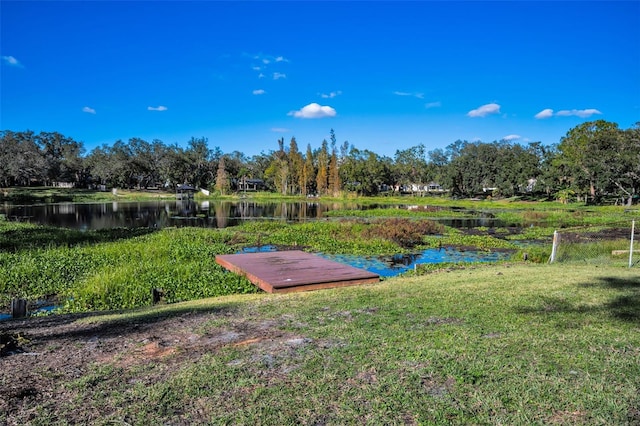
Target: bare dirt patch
[[43, 357]]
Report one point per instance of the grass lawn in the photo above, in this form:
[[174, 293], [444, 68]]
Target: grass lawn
[[501, 344]]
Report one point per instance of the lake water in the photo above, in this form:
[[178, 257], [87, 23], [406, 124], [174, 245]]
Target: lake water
[[389, 266], [212, 214], [160, 214]]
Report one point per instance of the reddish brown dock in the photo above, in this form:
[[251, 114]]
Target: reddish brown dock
[[287, 271]]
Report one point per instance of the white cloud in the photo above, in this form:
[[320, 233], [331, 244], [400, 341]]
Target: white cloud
[[278, 75], [433, 104], [158, 108], [10, 60], [484, 110], [259, 92], [280, 130], [314, 110], [331, 94], [416, 94], [511, 137], [264, 61], [88, 110], [545, 113], [582, 113], [261, 75]]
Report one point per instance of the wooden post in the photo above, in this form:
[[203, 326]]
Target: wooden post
[[554, 247], [18, 308], [633, 230]]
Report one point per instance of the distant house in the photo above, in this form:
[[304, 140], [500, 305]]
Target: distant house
[[185, 191], [64, 184], [250, 184], [434, 187], [531, 184]]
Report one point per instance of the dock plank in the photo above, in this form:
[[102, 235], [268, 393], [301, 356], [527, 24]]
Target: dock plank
[[294, 270]]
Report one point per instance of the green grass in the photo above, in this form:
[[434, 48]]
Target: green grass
[[51, 195], [509, 344], [118, 268], [594, 253], [32, 195], [115, 274]]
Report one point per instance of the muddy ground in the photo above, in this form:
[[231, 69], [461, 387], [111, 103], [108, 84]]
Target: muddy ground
[[39, 357]]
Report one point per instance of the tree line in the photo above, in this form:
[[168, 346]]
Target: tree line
[[594, 162]]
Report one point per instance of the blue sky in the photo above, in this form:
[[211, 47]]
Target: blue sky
[[384, 75]]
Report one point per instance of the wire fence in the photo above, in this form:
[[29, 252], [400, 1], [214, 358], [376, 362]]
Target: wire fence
[[616, 244]]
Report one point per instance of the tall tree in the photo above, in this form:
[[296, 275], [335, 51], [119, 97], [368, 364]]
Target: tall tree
[[626, 181], [199, 157], [590, 153], [322, 182], [222, 179], [308, 173], [296, 167], [334, 175], [278, 171], [144, 168]]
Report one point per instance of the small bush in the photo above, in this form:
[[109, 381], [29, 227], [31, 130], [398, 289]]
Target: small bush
[[404, 232]]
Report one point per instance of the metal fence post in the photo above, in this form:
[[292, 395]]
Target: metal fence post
[[554, 247], [633, 231]]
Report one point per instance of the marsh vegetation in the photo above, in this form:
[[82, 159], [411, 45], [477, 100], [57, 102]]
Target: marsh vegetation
[[117, 268]]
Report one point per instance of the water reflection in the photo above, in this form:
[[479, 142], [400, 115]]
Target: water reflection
[[211, 214], [160, 214]]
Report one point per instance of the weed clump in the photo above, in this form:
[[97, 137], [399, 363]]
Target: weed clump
[[406, 233]]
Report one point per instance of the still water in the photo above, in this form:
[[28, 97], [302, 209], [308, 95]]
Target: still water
[[389, 266], [161, 214], [210, 214]]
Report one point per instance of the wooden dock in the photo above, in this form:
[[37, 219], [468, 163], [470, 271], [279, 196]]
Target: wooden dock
[[288, 271]]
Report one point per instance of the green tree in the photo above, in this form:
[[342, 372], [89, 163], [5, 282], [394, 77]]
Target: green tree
[[257, 167], [410, 166], [437, 165], [22, 160], [199, 158], [63, 157], [308, 173], [626, 180], [278, 171], [322, 177], [335, 186], [364, 172], [222, 179], [296, 166], [590, 156]]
